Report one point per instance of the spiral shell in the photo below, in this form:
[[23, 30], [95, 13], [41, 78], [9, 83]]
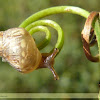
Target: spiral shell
[[19, 49]]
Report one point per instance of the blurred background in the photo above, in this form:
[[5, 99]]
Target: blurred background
[[77, 74]]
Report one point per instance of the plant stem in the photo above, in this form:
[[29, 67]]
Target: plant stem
[[53, 24], [54, 10], [46, 39]]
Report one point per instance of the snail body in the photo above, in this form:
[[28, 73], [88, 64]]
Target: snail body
[[18, 48]]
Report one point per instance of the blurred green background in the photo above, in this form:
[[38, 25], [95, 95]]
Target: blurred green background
[[76, 73]]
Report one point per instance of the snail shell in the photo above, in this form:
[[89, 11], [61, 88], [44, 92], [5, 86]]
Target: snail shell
[[19, 49]]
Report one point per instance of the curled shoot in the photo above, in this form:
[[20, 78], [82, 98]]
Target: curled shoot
[[31, 21], [33, 24]]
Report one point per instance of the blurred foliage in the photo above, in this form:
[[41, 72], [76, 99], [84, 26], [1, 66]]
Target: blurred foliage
[[76, 73]]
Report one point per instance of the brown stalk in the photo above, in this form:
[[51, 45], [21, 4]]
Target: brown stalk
[[86, 36]]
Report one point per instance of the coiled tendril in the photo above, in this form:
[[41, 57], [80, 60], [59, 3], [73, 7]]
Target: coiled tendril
[[86, 35], [33, 24]]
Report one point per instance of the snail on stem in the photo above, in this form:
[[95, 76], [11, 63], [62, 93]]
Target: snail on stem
[[19, 49]]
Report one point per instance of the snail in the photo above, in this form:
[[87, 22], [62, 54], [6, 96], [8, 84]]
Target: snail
[[18, 48]]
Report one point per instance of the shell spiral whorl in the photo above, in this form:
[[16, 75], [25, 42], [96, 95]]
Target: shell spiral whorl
[[19, 49]]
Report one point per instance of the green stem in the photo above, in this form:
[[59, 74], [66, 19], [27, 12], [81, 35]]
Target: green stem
[[53, 24], [47, 38], [55, 10]]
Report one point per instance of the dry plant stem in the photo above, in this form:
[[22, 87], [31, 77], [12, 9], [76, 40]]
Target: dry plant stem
[[85, 36], [92, 37]]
